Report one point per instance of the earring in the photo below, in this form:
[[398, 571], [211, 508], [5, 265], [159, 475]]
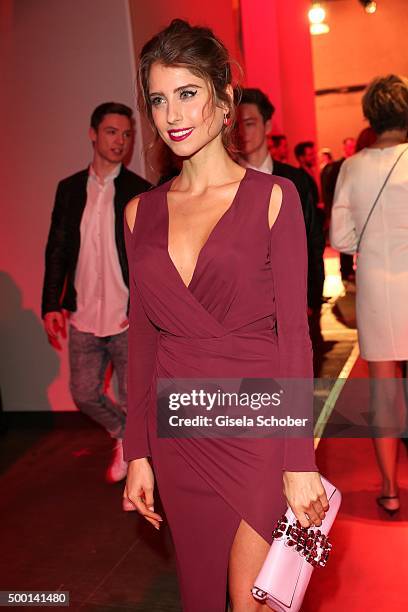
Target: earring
[[226, 120]]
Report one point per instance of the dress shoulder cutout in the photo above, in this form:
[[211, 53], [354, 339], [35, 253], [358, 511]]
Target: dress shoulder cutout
[[131, 212]]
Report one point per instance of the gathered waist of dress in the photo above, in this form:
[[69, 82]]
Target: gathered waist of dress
[[267, 324], [250, 351]]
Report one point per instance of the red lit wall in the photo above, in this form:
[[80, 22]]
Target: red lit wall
[[278, 59], [357, 48], [58, 60]]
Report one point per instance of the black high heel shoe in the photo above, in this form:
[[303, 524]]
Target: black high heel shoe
[[389, 511]]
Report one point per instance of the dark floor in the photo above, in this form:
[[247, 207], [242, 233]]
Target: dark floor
[[62, 527]]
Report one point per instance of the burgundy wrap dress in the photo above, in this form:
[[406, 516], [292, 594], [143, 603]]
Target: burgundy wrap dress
[[244, 314]]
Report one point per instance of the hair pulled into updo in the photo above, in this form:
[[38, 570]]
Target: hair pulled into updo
[[385, 103], [202, 53]]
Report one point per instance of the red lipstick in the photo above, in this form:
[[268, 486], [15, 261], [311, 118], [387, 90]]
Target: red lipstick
[[180, 134]]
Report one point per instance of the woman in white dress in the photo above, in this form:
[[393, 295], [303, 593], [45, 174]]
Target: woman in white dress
[[382, 268]]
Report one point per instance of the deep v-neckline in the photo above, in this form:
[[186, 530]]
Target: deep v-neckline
[[209, 237]]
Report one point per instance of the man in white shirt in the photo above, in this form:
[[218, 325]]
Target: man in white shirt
[[86, 273]]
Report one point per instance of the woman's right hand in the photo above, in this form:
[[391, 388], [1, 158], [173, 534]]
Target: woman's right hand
[[139, 490], [306, 496]]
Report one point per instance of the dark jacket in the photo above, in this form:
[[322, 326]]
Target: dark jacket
[[314, 230], [302, 186], [61, 255], [329, 179]]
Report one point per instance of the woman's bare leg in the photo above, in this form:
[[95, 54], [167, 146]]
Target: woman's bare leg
[[248, 553], [384, 404]]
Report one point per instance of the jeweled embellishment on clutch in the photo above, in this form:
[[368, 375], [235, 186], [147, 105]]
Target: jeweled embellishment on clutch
[[313, 545]]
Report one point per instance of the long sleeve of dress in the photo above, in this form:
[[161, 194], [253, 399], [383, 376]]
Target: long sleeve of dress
[[343, 234], [142, 339], [289, 266]]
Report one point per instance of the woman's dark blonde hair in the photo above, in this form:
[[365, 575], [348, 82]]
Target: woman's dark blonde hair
[[203, 54], [385, 103]]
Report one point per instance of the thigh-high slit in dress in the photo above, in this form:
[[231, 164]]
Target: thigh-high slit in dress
[[243, 315]]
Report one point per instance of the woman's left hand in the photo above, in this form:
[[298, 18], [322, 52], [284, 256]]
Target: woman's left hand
[[306, 496]]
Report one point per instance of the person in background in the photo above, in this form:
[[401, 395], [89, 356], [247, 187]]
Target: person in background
[[328, 178], [366, 138], [305, 153], [255, 113], [325, 157], [278, 147], [349, 147], [86, 273], [370, 215]]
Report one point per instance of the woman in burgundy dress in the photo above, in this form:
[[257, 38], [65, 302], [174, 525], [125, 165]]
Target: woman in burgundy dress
[[217, 262]]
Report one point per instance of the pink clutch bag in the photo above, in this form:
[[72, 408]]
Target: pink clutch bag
[[295, 552]]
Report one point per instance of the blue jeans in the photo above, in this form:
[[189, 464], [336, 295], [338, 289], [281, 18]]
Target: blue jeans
[[89, 357]]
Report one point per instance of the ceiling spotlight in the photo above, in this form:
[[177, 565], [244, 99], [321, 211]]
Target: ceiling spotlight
[[369, 6], [317, 15]]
